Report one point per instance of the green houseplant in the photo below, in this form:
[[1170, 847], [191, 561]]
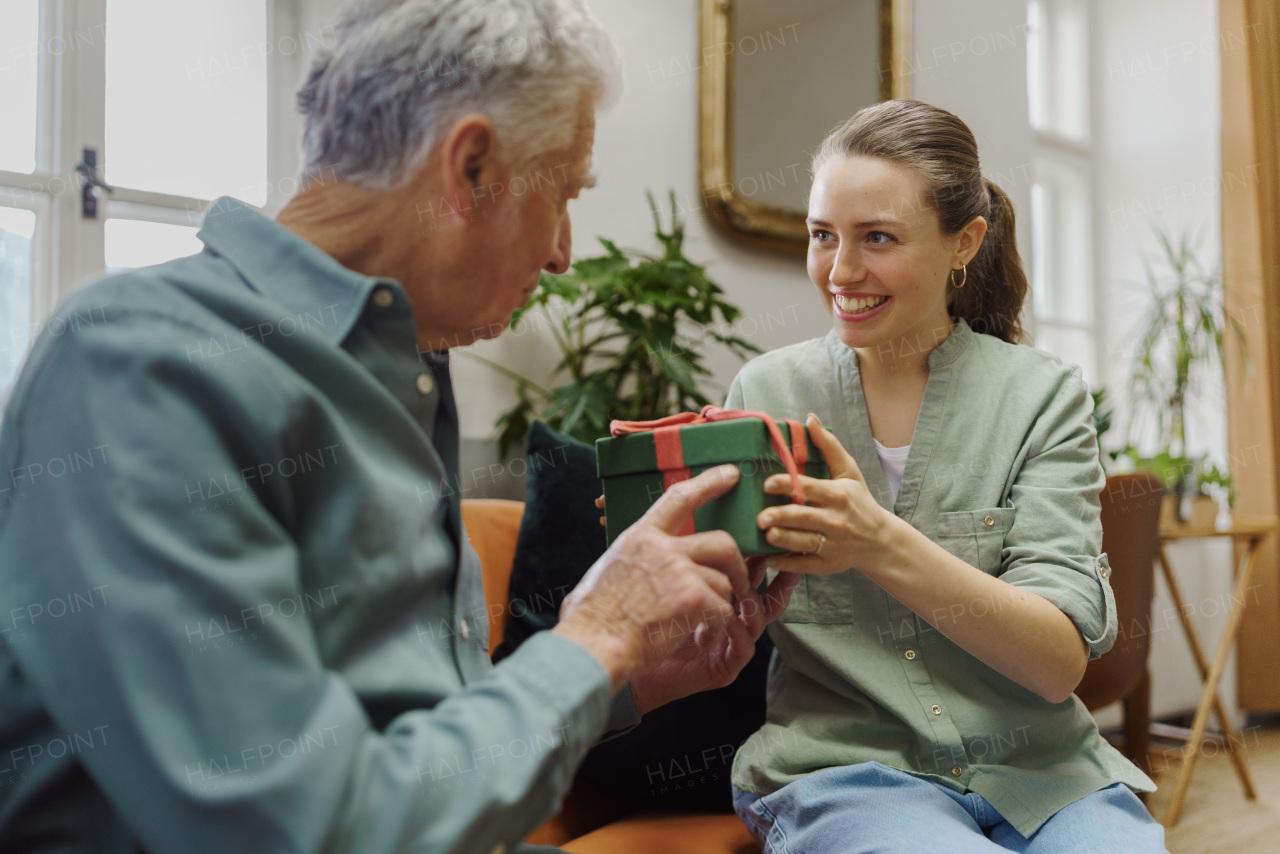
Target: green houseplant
[[1180, 345], [630, 328]]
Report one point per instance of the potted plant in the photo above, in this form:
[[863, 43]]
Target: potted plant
[[1214, 487], [1179, 476], [631, 329], [1180, 340]]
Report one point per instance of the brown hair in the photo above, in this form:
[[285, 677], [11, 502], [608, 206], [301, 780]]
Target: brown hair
[[942, 151]]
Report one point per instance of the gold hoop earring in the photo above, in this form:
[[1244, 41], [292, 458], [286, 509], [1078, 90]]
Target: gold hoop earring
[[964, 268]]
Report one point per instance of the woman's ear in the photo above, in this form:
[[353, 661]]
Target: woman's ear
[[969, 242]]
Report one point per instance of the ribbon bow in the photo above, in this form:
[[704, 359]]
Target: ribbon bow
[[666, 439]]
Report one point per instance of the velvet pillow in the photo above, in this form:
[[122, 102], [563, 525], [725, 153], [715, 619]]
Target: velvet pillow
[[679, 757]]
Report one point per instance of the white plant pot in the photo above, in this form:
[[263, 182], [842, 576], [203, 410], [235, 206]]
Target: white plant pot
[[1204, 512]]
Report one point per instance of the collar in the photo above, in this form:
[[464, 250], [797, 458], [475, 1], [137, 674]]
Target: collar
[[286, 269], [944, 353], [955, 344]]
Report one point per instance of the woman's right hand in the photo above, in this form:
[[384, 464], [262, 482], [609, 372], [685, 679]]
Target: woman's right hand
[[841, 525]]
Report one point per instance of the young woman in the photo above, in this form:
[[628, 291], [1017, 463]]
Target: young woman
[[952, 585]]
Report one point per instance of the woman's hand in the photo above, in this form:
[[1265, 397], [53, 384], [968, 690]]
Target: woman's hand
[[1014, 631], [842, 525]]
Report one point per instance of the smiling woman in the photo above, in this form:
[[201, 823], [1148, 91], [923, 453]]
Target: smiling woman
[[936, 615]]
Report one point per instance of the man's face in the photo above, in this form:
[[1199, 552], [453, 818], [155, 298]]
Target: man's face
[[523, 229]]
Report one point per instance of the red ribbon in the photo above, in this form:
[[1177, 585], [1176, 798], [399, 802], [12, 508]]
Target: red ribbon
[[666, 440]]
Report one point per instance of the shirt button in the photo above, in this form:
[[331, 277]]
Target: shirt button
[[911, 655], [426, 383], [957, 770], [989, 521], [383, 298], [464, 629], [1103, 570], [937, 710]]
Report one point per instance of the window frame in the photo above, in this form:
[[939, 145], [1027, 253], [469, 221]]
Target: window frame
[[1078, 155], [68, 250]]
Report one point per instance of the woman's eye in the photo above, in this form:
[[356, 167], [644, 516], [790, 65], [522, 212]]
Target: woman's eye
[[880, 237], [820, 234]]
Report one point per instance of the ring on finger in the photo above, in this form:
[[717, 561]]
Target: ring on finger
[[822, 541]]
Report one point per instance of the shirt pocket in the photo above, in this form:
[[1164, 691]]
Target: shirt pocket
[[822, 599], [976, 536]]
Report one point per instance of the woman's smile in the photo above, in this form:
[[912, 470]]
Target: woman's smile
[[859, 307]]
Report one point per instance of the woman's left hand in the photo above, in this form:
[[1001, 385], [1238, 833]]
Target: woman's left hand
[[841, 526]]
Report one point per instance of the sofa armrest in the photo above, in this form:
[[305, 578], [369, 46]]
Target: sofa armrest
[[493, 524]]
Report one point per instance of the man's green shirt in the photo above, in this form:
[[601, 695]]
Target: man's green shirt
[[238, 609]]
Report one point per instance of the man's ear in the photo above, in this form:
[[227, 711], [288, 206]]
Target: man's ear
[[469, 158]]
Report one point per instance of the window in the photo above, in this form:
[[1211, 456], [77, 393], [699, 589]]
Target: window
[[1063, 278], [179, 102], [17, 233]]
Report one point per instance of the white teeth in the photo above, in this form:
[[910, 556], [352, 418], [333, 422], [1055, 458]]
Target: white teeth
[[857, 305]]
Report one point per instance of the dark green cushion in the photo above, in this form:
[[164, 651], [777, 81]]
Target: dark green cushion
[[679, 757]]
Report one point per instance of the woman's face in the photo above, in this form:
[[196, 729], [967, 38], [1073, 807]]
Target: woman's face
[[879, 258]]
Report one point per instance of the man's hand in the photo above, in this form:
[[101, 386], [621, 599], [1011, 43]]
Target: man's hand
[[652, 591], [701, 662]]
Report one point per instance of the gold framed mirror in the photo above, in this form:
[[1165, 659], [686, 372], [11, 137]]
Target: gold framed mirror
[[771, 91]]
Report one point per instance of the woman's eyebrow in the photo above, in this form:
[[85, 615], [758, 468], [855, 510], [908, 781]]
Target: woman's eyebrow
[[874, 223]]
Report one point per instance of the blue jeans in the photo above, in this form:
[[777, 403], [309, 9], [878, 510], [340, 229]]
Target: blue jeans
[[873, 808]]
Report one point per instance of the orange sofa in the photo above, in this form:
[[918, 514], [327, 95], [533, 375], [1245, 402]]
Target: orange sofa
[[585, 824]]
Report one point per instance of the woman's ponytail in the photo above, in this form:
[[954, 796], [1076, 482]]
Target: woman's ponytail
[[991, 300]]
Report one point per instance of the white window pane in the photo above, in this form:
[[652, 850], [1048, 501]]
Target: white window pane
[[1057, 75], [17, 231], [19, 50], [1070, 345], [131, 243], [1037, 66], [186, 106], [1061, 272]]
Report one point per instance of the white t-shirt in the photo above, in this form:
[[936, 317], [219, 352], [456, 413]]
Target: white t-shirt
[[894, 462]]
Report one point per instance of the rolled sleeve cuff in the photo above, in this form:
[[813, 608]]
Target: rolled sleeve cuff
[[571, 681], [623, 716], [1081, 590]]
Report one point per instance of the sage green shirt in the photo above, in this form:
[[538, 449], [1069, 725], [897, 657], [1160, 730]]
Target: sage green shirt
[[238, 608], [1003, 472]]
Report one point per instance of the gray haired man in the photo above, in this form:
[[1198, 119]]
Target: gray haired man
[[254, 622]]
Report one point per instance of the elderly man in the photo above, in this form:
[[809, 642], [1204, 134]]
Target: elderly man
[[240, 617]]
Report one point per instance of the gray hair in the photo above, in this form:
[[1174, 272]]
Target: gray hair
[[399, 73]]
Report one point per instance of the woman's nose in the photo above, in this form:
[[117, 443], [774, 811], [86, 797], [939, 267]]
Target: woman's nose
[[848, 267]]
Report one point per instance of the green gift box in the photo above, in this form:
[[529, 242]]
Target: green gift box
[[633, 478]]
